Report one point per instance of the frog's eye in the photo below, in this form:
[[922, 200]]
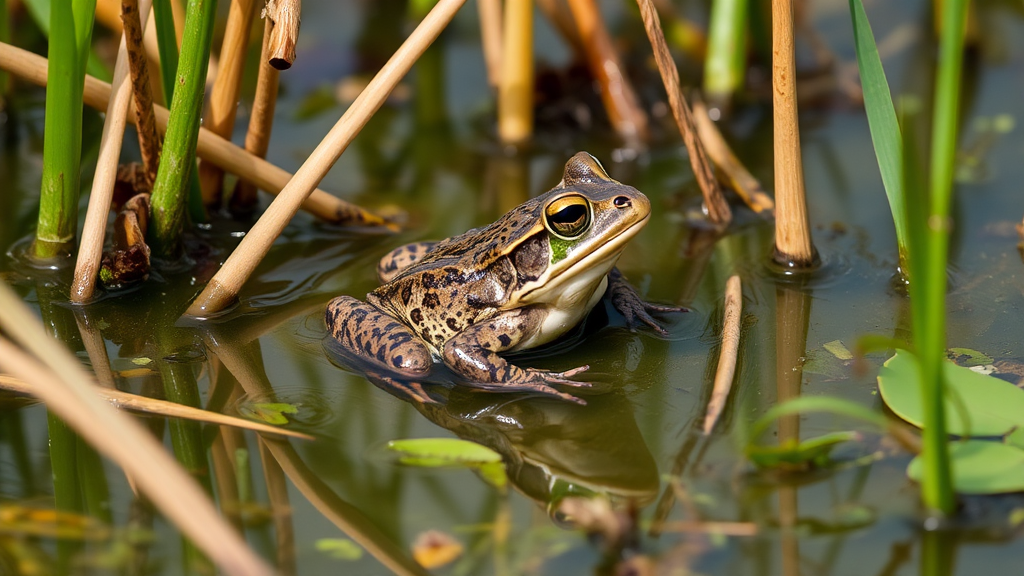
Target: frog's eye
[[568, 216]]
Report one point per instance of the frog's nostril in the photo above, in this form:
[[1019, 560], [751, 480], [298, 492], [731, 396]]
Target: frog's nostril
[[622, 202]]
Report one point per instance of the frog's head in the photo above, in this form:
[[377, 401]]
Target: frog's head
[[584, 222]]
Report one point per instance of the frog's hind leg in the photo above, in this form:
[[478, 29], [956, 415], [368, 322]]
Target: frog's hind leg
[[369, 335], [473, 354], [400, 258]]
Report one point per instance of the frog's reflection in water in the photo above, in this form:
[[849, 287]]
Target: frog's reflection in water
[[552, 448]]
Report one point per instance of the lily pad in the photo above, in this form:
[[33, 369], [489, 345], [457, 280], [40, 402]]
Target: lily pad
[[269, 412], [975, 404], [980, 467]]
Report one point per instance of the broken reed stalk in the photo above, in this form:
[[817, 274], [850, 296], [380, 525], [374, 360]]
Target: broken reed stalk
[[793, 248], [261, 122], [220, 114], [179, 156], [70, 37], [273, 179], [149, 141], [224, 286], [90, 250], [144, 405], [617, 94], [490, 36], [718, 209], [515, 89], [286, 15], [730, 168], [726, 370], [63, 384]]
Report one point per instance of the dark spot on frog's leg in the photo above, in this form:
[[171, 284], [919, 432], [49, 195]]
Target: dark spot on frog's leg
[[406, 293], [452, 324], [430, 300], [505, 340], [397, 360], [416, 315]]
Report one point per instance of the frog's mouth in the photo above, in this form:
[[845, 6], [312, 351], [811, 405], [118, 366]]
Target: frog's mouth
[[605, 256]]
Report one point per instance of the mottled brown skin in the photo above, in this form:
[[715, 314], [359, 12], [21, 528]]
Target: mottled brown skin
[[511, 285]]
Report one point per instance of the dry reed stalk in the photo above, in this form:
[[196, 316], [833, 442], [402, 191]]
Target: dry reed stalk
[[224, 286], [90, 249], [144, 405], [286, 16], [268, 177], [793, 247], [735, 173], [223, 104], [261, 122], [515, 90], [95, 348], [718, 209], [66, 389], [490, 36], [727, 358], [149, 141], [617, 94]]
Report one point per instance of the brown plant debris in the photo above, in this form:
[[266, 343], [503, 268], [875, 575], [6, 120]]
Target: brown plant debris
[[128, 261], [149, 140], [433, 549], [285, 14]]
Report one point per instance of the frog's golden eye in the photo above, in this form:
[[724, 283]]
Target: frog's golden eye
[[568, 216]]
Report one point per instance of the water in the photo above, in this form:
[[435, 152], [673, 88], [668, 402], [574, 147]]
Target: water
[[638, 438]]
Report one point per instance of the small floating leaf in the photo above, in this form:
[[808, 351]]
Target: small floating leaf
[[433, 549], [445, 451], [441, 452], [269, 412], [141, 361], [811, 452], [980, 467], [838, 349], [968, 357], [339, 548], [976, 405]]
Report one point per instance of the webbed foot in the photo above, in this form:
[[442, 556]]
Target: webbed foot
[[633, 308]]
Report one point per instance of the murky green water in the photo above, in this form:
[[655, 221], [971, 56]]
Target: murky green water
[[434, 156]]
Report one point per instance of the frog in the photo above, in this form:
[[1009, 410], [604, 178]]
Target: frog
[[521, 282]]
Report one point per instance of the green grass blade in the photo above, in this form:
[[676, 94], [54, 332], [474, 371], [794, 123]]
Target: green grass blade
[[725, 65], [885, 130]]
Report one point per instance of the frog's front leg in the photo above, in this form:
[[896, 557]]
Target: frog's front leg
[[473, 354], [366, 333], [628, 302], [400, 258]]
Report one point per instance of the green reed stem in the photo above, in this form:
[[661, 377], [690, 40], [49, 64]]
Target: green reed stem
[[167, 46], [179, 152], [92, 480], [725, 65], [71, 26], [930, 320]]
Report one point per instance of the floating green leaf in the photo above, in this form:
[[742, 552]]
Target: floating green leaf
[[441, 452], [811, 452], [981, 467], [269, 412], [976, 405], [445, 451], [339, 548], [838, 349], [968, 357]]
